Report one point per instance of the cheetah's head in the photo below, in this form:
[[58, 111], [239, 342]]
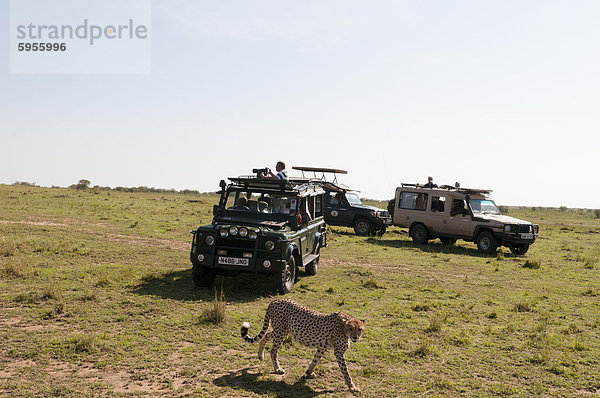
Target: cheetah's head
[[354, 329]]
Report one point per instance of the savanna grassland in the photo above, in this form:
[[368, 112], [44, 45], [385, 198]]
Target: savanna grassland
[[96, 299]]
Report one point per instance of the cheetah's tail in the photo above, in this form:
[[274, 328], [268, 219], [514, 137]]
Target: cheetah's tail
[[252, 340]]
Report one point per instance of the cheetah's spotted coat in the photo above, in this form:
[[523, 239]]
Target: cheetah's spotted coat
[[310, 328]]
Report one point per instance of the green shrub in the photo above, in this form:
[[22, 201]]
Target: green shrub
[[81, 184], [371, 284], [420, 307], [523, 306], [461, 339], [83, 343], [532, 264], [10, 270], [7, 248], [215, 313], [424, 349], [435, 325], [26, 184]]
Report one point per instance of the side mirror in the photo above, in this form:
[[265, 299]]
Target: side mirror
[[216, 210], [222, 184]]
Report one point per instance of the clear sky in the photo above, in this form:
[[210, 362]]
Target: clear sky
[[503, 95]]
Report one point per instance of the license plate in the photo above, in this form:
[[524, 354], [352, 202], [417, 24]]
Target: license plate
[[234, 261], [526, 236]]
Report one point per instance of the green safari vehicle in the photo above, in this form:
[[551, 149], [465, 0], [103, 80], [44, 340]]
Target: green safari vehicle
[[264, 226]]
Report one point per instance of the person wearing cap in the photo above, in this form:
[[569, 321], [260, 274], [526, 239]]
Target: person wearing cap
[[430, 183]]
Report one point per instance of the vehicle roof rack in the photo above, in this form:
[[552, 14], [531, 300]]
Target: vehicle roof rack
[[321, 170], [273, 184], [452, 188]]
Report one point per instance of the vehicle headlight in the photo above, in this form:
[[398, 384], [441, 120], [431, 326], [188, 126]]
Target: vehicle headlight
[[270, 245], [374, 213], [224, 233], [252, 235], [233, 231], [243, 232], [209, 240]]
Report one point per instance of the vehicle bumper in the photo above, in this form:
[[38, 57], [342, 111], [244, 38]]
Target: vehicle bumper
[[243, 255], [516, 238], [381, 222], [257, 264]]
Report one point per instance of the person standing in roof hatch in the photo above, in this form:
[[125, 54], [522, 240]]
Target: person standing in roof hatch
[[430, 183], [281, 171]]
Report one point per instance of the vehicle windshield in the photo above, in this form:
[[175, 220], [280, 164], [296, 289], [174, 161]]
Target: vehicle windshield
[[257, 203], [484, 206], [353, 199]]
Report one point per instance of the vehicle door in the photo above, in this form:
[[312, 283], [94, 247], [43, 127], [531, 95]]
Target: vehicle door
[[436, 214], [311, 208], [459, 221], [337, 210]]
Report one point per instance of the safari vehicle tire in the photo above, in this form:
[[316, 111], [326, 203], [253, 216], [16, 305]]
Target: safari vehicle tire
[[420, 235], [363, 227], [202, 276], [313, 267], [519, 249], [448, 241], [284, 280], [487, 242]]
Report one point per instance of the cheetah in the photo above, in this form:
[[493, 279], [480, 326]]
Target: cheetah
[[310, 328]]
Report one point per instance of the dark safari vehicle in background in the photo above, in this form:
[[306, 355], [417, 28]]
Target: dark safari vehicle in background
[[261, 225], [344, 208]]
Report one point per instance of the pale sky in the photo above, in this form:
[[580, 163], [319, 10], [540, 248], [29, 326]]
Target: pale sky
[[503, 95]]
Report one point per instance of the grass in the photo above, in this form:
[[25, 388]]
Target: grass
[[7, 248], [523, 306], [532, 264], [215, 311], [96, 299], [425, 348]]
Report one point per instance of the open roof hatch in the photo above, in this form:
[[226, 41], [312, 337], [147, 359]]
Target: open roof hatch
[[321, 170]]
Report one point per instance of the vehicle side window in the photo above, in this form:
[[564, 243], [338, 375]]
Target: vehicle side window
[[438, 203], [335, 199], [318, 206], [304, 210], [311, 200], [232, 198], [413, 201], [458, 207]]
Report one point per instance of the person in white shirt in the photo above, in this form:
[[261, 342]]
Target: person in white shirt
[[281, 171]]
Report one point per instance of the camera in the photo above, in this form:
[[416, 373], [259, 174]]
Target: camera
[[260, 173]]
